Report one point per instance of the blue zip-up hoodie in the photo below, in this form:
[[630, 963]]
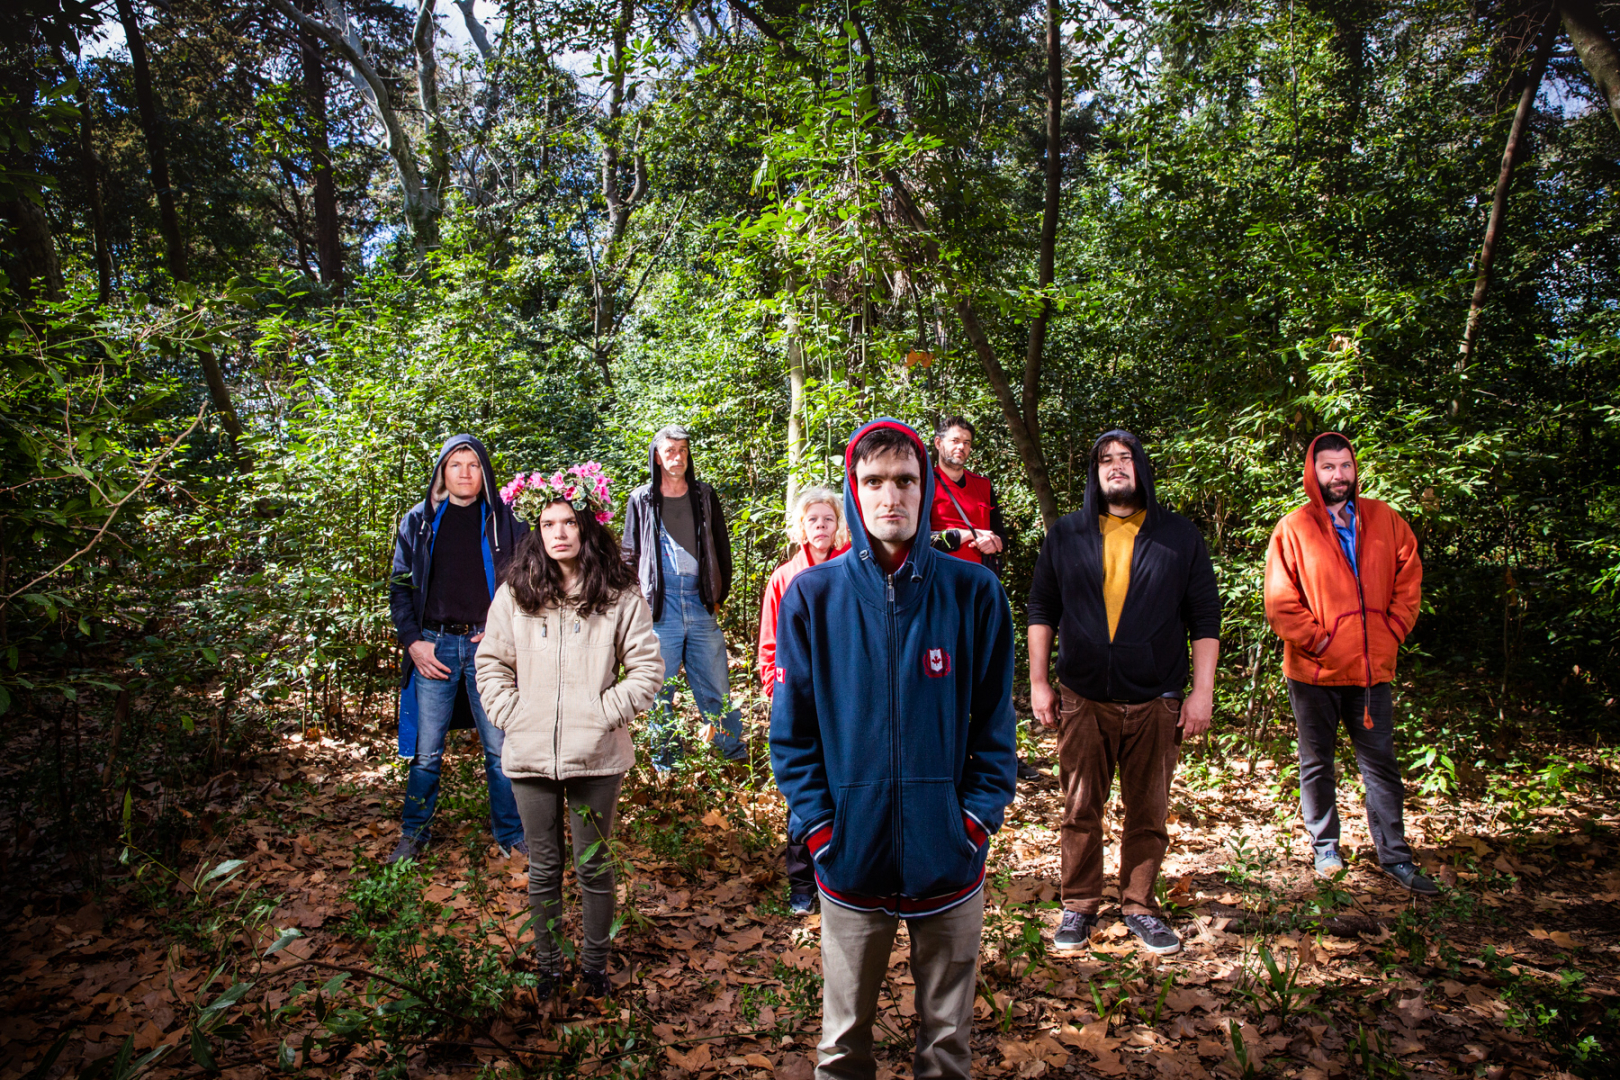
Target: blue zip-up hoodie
[[413, 562], [892, 728]]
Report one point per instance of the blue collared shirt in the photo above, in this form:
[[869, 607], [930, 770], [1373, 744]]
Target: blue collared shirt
[[1347, 533]]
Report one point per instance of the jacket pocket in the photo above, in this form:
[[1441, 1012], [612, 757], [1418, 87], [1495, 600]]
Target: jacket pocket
[[1341, 658], [938, 856], [860, 857]]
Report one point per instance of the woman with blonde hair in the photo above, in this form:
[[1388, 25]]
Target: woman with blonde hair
[[816, 525]]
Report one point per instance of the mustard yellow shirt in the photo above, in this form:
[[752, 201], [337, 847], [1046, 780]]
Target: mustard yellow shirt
[[1119, 543]]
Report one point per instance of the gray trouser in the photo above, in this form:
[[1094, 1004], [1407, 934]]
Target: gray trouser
[[1318, 712], [944, 963], [591, 803]]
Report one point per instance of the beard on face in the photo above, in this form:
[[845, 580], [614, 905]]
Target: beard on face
[[1121, 492], [1336, 491]]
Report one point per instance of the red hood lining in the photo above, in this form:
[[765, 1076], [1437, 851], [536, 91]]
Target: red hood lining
[[849, 468]]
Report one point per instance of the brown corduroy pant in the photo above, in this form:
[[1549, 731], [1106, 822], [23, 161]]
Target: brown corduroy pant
[[1142, 742]]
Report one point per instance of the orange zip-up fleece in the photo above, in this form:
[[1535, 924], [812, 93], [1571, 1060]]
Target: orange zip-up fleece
[[1312, 593]]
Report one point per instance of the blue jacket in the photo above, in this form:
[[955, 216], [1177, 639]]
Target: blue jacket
[[413, 561], [892, 728]]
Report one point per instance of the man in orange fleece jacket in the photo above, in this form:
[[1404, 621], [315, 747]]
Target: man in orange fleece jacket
[[1343, 588]]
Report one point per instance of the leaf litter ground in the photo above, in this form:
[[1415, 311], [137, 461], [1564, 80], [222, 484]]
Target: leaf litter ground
[[1512, 973]]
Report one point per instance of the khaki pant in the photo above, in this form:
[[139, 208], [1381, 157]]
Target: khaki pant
[[945, 965], [1142, 742]]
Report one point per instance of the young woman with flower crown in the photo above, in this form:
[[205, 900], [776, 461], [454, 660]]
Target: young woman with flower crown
[[568, 619]]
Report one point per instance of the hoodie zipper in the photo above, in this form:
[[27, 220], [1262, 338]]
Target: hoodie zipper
[[895, 818], [1361, 599]]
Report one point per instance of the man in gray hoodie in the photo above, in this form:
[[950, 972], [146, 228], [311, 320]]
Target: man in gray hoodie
[[675, 536]]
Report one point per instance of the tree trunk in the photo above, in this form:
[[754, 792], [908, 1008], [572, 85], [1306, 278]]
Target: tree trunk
[[421, 201], [427, 91], [92, 184], [1596, 48], [30, 257], [795, 425], [1027, 444], [328, 226], [152, 130], [1046, 266], [620, 204], [1510, 156]]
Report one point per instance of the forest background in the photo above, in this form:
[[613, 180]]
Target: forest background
[[262, 257]]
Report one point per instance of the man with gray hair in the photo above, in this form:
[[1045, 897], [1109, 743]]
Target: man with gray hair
[[675, 536]]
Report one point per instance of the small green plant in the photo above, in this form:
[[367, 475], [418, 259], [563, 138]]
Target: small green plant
[[1278, 990], [1240, 1052], [1020, 932], [1371, 1053], [1119, 976]]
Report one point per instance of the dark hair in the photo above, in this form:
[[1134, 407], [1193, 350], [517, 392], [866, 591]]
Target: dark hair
[[883, 440], [1330, 441], [947, 422], [1109, 438], [536, 580]]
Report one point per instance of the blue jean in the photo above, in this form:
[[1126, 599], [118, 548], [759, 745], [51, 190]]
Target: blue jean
[[688, 634], [435, 704], [1318, 712]]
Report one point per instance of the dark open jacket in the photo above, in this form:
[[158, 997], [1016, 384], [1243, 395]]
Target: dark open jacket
[[413, 563], [892, 728], [1172, 597], [643, 518]]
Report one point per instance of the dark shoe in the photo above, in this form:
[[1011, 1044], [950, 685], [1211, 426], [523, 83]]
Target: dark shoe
[[1074, 932], [519, 848], [545, 986], [802, 903], [1026, 771], [408, 848], [1411, 879], [595, 984], [1330, 864], [1154, 934]]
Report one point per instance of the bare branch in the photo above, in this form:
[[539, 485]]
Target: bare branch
[[475, 30]]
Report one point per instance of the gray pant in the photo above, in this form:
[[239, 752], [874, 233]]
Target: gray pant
[[591, 803], [944, 963], [1318, 712]]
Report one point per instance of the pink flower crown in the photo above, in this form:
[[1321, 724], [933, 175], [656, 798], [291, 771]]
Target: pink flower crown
[[584, 487]]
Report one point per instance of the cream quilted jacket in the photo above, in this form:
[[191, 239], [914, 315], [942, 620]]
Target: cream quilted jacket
[[551, 682]]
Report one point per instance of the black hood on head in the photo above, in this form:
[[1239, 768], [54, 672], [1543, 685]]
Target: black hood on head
[[489, 496], [656, 473], [1095, 505]]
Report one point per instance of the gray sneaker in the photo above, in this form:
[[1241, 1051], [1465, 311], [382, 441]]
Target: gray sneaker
[[519, 848], [409, 847], [1330, 864], [1409, 876], [1154, 934], [1074, 932]]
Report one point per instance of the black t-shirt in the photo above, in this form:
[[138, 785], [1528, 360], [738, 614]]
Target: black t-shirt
[[457, 590]]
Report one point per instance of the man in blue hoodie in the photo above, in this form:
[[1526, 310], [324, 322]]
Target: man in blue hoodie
[[449, 555], [892, 740]]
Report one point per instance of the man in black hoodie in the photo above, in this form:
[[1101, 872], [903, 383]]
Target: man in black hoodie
[[1123, 584], [675, 536], [450, 553]]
